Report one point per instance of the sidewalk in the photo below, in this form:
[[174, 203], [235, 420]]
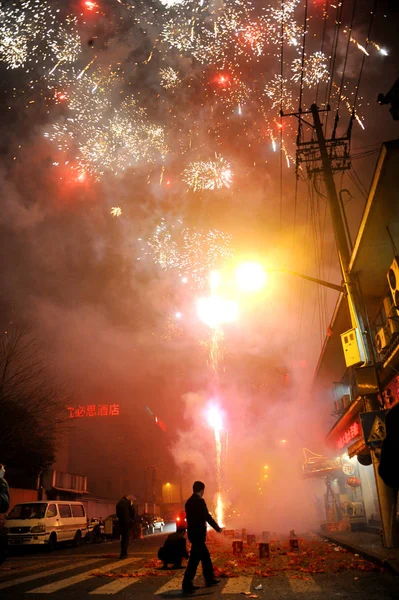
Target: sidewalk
[[366, 544]]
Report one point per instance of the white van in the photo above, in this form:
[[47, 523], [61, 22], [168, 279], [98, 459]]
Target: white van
[[46, 523]]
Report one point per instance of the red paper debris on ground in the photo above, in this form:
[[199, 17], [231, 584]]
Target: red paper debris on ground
[[315, 557]]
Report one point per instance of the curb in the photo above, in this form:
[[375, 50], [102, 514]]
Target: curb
[[393, 565]]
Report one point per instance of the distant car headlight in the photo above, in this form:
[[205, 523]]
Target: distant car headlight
[[38, 529]]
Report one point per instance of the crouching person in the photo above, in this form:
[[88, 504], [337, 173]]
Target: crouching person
[[174, 549]]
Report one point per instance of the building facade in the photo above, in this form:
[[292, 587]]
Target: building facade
[[358, 393]]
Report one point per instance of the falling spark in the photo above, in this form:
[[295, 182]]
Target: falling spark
[[116, 211], [86, 68]]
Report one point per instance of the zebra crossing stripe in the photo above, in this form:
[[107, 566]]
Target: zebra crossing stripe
[[16, 570], [116, 586], [237, 585], [69, 567], [172, 584], [304, 586], [64, 583]]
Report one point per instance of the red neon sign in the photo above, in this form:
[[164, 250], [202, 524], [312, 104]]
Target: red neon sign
[[350, 434], [93, 410]]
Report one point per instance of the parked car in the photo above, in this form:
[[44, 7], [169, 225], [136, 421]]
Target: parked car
[[47, 523], [181, 520], [153, 523]]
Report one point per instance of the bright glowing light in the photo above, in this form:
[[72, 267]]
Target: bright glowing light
[[90, 5], [116, 211], [178, 315], [251, 277], [215, 310], [215, 418], [215, 280]]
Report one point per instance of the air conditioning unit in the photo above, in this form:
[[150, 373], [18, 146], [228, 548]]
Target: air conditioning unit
[[339, 406], [383, 339], [346, 400], [392, 316], [393, 280]]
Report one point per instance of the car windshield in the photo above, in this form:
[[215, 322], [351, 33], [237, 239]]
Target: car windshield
[[36, 510]]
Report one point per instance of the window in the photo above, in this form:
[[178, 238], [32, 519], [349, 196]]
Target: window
[[52, 510], [64, 510], [77, 510], [34, 510]]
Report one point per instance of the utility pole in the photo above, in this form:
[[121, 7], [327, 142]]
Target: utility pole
[[334, 156]]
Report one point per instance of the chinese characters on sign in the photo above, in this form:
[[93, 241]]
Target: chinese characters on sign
[[93, 410], [351, 433]]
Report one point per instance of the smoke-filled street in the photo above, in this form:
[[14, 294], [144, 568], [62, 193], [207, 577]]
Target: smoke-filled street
[[199, 299], [318, 570]]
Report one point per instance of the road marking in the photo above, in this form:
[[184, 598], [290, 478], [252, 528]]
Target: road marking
[[116, 586], [302, 586], [69, 567], [237, 585], [16, 570], [64, 583], [172, 584]]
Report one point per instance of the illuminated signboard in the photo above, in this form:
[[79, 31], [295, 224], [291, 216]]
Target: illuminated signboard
[[350, 434], [93, 410]]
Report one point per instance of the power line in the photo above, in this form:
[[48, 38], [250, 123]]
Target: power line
[[364, 56], [281, 114], [334, 56], [346, 53], [325, 13]]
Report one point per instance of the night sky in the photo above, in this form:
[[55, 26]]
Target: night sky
[[165, 111]]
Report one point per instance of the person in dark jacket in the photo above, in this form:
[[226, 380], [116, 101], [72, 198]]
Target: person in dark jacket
[[388, 468], [174, 549], [197, 517], [4, 506], [125, 513]]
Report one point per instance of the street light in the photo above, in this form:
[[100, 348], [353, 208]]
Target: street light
[[251, 277]]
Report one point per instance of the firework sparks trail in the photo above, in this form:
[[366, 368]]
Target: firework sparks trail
[[215, 345], [215, 420]]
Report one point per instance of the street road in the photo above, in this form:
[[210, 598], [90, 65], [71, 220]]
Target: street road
[[95, 570]]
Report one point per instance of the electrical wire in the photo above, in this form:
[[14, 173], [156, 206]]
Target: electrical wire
[[333, 57], [325, 14], [281, 115], [346, 53], [364, 56]]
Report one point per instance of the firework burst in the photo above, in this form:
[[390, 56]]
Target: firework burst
[[211, 175], [32, 33], [315, 69], [169, 78], [193, 253]]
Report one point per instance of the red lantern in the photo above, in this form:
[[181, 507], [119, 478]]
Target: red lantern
[[353, 482]]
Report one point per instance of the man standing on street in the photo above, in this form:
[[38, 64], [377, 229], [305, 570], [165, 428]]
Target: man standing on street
[[197, 517], [125, 513]]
